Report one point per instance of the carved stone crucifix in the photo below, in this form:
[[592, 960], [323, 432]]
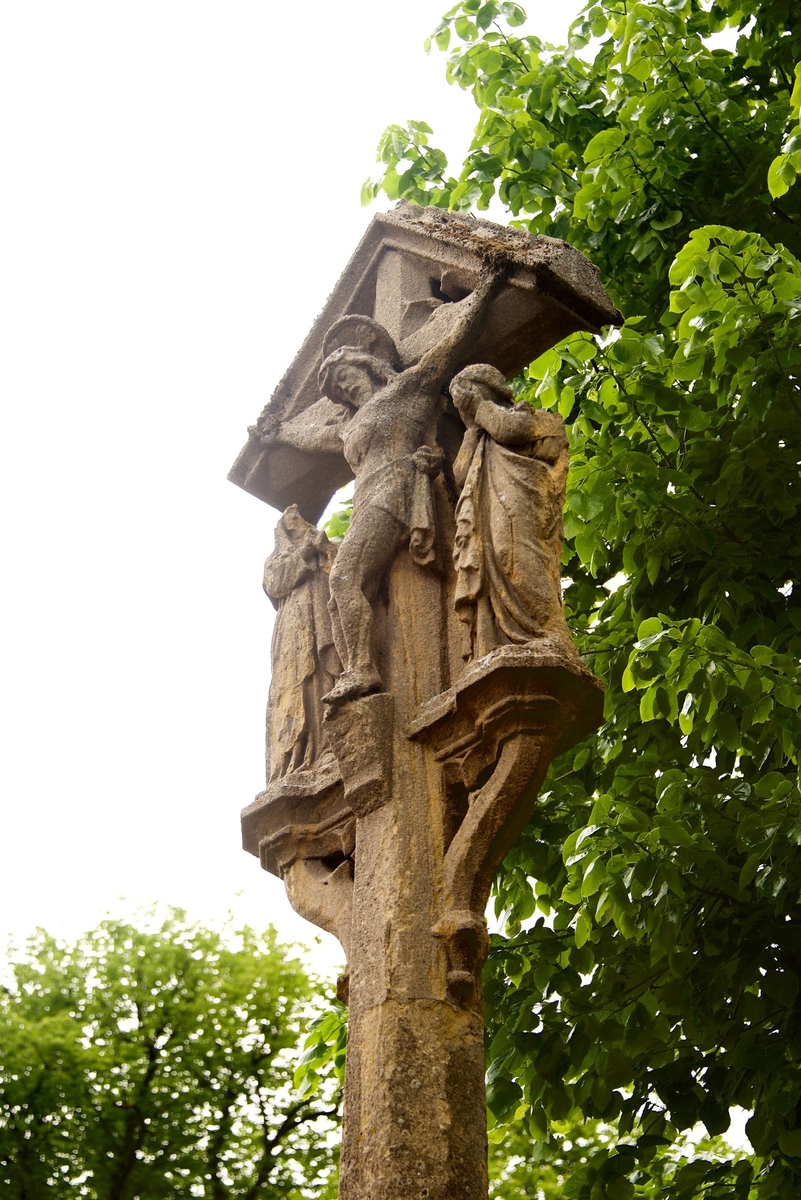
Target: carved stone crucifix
[[423, 673]]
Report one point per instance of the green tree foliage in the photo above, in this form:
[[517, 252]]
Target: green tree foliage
[[786, 167], [522, 1170], [518, 1171], [323, 1051], [649, 974], [155, 1064]]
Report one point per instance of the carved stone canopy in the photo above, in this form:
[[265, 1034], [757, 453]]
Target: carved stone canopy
[[409, 272]]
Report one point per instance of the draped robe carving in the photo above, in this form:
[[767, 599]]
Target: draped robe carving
[[512, 471], [305, 663]]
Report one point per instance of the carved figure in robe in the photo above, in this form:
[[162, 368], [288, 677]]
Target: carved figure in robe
[[305, 663], [386, 430], [512, 470]]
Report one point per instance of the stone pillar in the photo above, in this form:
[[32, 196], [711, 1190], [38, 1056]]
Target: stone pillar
[[415, 1116], [414, 1120]]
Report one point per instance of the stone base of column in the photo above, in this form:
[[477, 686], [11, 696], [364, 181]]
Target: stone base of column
[[415, 1117]]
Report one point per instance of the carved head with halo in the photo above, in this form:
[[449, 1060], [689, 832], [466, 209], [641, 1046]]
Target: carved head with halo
[[359, 358]]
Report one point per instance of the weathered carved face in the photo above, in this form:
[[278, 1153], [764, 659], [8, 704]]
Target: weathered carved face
[[352, 384], [467, 397], [294, 523], [494, 395], [475, 384]]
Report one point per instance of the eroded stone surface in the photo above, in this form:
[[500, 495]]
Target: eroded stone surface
[[424, 675]]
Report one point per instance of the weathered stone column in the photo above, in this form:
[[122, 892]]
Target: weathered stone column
[[414, 1122], [395, 792]]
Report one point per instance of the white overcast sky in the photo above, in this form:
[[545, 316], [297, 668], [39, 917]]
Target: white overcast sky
[[180, 193]]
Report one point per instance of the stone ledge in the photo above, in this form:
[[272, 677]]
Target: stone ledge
[[303, 815], [534, 685]]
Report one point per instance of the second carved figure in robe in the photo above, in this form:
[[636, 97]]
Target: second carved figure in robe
[[511, 471], [305, 663]]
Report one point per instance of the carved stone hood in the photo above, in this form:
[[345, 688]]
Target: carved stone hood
[[409, 272]]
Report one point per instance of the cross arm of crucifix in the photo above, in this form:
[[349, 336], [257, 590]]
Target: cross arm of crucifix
[[438, 364], [317, 428]]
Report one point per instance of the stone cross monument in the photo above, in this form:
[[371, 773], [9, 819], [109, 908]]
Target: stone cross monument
[[423, 674]]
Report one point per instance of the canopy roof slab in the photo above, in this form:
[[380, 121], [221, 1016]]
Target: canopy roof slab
[[409, 272]]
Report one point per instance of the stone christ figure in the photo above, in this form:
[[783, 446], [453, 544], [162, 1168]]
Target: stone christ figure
[[305, 663], [387, 437], [512, 470]]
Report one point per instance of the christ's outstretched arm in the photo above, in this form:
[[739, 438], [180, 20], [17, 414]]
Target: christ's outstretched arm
[[438, 364]]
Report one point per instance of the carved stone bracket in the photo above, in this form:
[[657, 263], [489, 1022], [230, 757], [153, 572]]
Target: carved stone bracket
[[498, 728], [302, 830], [466, 724], [323, 894], [467, 945], [303, 815]]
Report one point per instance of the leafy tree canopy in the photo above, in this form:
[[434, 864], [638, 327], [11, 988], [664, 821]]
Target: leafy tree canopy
[[520, 1169], [649, 976], [150, 1064]]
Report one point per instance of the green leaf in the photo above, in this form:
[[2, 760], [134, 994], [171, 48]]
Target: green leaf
[[628, 682], [790, 1143], [566, 402], [583, 929], [673, 833], [781, 176], [749, 870], [789, 695], [593, 878], [670, 220], [604, 143], [654, 564], [652, 703], [486, 14], [692, 1174], [576, 1183], [727, 730], [781, 986]]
